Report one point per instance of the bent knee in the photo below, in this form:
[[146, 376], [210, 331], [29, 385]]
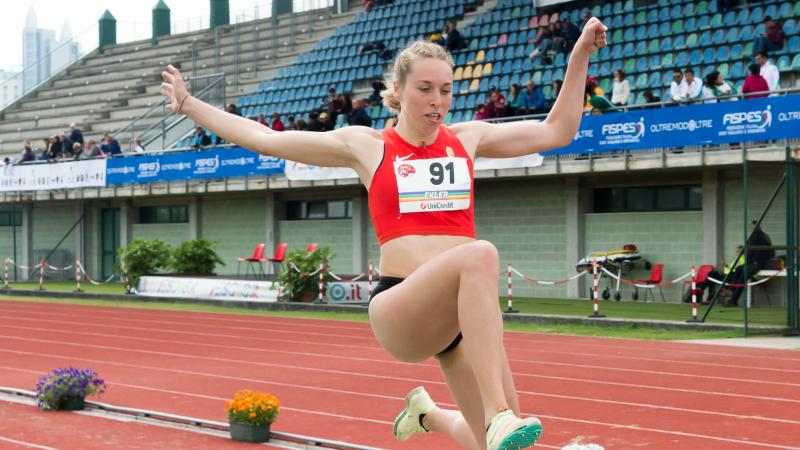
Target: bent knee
[[482, 254]]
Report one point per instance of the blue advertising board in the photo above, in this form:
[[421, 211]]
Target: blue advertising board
[[214, 163], [758, 119]]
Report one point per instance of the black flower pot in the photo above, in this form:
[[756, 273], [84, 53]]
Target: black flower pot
[[71, 403], [246, 432]]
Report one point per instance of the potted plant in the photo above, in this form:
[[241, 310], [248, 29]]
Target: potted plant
[[142, 257], [296, 281], [250, 415], [195, 257], [67, 388]]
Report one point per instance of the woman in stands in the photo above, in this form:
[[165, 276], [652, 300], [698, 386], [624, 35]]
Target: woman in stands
[[438, 293]]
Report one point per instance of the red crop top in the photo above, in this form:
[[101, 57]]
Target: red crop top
[[422, 190]]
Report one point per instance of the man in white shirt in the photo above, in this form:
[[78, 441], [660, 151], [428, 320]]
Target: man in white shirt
[[694, 87], [769, 71], [678, 86]]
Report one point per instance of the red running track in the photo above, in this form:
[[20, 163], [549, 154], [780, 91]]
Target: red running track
[[335, 382]]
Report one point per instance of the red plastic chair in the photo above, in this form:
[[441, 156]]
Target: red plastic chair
[[257, 257], [279, 257], [311, 247], [655, 278], [700, 277]]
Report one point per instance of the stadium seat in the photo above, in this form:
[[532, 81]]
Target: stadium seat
[[458, 75], [796, 62], [641, 81], [784, 63], [794, 44]]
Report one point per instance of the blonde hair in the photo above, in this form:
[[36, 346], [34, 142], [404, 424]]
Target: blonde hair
[[402, 67]]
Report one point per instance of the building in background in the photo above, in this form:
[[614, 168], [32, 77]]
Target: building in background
[[42, 54], [10, 87]]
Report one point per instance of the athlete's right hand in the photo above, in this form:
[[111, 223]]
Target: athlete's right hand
[[173, 88]]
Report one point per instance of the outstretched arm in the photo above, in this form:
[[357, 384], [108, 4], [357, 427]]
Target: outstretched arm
[[506, 140], [332, 149]]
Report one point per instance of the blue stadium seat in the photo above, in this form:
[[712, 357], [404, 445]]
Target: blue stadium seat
[[655, 62], [666, 44], [682, 59], [680, 42], [655, 79], [723, 53], [718, 37], [784, 63], [794, 44], [737, 70], [708, 55]]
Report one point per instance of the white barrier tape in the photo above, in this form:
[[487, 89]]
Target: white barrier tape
[[294, 267], [754, 283], [58, 269], [89, 278], [645, 286], [20, 266], [338, 278], [547, 283]]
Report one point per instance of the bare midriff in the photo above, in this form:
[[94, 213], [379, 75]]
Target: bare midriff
[[402, 256]]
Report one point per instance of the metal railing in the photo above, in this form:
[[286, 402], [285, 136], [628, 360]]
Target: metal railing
[[163, 126]]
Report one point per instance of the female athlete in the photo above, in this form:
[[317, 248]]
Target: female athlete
[[438, 293]]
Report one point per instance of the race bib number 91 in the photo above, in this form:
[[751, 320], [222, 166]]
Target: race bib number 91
[[428, 185]]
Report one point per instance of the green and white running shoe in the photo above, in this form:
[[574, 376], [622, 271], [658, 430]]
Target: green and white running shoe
[[406, 424], [509, 432]]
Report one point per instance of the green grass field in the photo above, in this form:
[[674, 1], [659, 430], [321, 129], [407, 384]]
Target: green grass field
[[64, 286]]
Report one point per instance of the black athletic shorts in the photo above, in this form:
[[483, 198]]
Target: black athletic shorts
[[385, 283]]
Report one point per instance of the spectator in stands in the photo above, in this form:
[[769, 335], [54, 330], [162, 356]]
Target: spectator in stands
[[453, 40], [755, 83], [231, 108], [571, 33], [377, 87], [480, 112], [516, 101], [301, 125], [358, 114], [621, 91], [92, 150], [772, 39], [715, 86], [326, 121], [262, 119], [559, 42], [75, 134], [27, 153], [649, 97], [110, 146], [66, 146], [694, 87], [290, 123], [344, 105], [677, 88], [137, 146], [543, 43], [498, 103], [277, 124], [533, 99], [592, 90], [329, 103], [769, 71], [7, 166], [53, 151], [314, 124], [201, 139], [368, 5], [76, 150]]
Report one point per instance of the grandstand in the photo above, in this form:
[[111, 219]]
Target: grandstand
[[543, 219]]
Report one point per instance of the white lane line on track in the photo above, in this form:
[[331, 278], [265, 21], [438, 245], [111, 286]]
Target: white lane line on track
[[382, 352], [352, 374], [372, 340], [450, 405], [25, 444], [394, 362], [512, 339]]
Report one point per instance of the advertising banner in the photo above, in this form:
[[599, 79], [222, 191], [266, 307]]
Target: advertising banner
[[64, 175]]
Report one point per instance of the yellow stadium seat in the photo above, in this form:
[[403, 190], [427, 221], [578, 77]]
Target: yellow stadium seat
[[480, 56], [467, 72], [487, 68], [458, 74], [475, 85], [478, 72]]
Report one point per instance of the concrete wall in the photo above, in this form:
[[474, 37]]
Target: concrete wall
[[171, 233], [674, 239], [50, 222], [334, 233], [237, 224]]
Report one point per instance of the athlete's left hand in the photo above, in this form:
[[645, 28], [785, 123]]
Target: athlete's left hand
[[593, 37]]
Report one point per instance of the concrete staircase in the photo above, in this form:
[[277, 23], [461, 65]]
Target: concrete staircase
[[105, 91]]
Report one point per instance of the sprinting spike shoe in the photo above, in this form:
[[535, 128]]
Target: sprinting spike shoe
[[509, 432], [406, 424]]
